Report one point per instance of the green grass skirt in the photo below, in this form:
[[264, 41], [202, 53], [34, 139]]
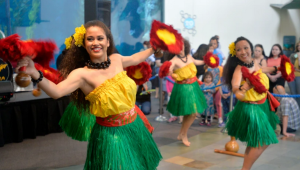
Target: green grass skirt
[[186, 99], [77, 126], [254, 124], [128, 147]]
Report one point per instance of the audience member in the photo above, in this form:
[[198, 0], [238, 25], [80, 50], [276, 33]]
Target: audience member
[[288, 112], [260, 56], [295, 85], [274, 60], [143, 99], [214, 42], [208, 93]]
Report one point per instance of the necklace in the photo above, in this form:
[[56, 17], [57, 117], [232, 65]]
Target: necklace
[[245, 64], [102, 65], [181, 58]]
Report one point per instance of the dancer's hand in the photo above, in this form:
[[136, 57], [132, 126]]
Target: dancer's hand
[[29, 64]]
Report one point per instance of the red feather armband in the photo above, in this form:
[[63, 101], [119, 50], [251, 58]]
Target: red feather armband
[[164, 69], [287, 69], [211, 60], [139, 73], [254, 80]]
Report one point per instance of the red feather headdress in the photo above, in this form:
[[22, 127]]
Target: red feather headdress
[[211, 60], [139, 73], [165, 37], [287, 68], [254, 80], [164, 69]]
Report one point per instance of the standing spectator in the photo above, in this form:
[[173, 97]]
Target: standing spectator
[[288, 112], [295, 85], [274, 60], [201, 51], [217, 74], [208, 93], [260, 56], [214, 42], [225, 94]]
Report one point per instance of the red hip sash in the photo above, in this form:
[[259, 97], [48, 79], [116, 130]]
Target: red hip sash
[[272, 101], [124, 119], [187, 81]]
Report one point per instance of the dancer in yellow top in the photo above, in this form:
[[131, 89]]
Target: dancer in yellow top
[[186, 99], [253, 119], [96, 80]]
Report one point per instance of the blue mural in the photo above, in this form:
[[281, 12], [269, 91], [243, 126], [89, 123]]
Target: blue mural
[[36, 19], [131, 23]]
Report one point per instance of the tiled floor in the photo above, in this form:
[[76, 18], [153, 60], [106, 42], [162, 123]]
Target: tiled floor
[[54, 150], [201, 155]]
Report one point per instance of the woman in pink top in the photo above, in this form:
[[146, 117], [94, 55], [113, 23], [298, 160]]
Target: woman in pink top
[[274, 60]]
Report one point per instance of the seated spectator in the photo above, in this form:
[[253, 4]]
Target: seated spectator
[[295, 85], [143, 99], [288, 112]]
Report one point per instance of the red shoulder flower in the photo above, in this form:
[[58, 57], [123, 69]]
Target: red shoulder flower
[[139, 73]]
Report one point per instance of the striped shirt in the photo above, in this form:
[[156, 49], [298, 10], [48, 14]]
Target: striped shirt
[[289, 107]]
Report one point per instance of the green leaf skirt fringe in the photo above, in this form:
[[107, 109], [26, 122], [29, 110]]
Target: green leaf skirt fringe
[[254, 124], [186, 99], [128, 147], [77, 126]]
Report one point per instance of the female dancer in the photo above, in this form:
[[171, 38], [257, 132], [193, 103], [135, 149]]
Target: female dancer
[[186, 99], [252, 120], [119, 139]]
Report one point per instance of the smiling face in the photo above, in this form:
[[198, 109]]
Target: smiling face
[[96, 43], [243, 51], [257, 52]]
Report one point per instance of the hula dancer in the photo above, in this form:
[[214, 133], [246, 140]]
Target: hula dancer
[[119, 138], [253, 119]]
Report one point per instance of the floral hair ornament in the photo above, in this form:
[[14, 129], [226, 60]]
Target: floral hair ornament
[[68, 42], [79, 35], [165, 37], [232, 49]]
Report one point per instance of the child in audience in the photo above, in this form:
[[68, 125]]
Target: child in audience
[[208, 93]]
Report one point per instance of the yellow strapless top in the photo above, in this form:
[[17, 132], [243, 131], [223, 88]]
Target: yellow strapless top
[[186, 72], [114, 96], [252, 95]]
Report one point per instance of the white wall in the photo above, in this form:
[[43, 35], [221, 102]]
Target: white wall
[[253, 19]]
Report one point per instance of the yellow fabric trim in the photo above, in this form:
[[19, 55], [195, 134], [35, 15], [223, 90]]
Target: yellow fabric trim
[[252, 95], [186, 72], [114, 96]]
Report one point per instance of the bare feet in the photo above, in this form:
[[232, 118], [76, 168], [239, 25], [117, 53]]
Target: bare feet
[[184, 140]]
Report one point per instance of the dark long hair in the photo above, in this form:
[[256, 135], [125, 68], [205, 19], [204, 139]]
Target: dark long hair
[[76, 57], [232, 62], [279, 46], [201, 51], [187, 47], [262, 49]]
